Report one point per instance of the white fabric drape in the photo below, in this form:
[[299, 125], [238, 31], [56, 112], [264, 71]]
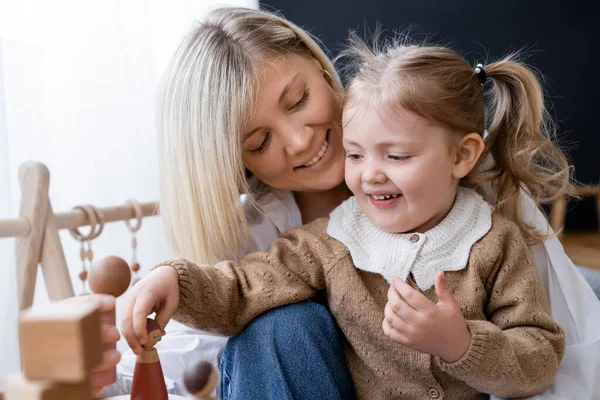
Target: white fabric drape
[[576, 309], [77, 92]]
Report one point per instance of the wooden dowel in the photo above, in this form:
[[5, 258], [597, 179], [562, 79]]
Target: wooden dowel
[[18, 227], [587, 190]]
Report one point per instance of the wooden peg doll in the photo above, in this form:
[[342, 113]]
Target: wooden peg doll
[[148, 380]]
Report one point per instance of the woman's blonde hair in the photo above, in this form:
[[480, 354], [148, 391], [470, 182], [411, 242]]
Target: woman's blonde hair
[[440, 85], [206, 97]]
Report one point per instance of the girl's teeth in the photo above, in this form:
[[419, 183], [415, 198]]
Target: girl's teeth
[[389, 196], [318, 156]]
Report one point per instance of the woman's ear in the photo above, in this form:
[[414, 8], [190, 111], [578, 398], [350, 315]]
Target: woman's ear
[[468, 151], [324, 72]]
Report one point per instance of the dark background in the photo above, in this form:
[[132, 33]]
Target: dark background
[[560, 37]]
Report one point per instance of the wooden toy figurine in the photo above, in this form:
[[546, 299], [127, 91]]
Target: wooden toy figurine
[[63, 370], [148, 380], [108, 275]]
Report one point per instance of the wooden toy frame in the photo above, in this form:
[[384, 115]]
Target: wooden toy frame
[[37, 239]]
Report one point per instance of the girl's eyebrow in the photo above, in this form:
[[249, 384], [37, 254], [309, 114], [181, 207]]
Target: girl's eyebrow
[[384, 143]]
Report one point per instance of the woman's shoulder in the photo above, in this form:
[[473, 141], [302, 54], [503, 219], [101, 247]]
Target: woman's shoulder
[[272, 212], [314, 235]]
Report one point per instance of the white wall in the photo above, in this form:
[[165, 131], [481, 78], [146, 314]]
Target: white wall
[[77, 91]]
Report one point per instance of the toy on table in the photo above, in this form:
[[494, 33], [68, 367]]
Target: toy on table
[[60, 345], [148, 380], [200, 379], [108, 275]]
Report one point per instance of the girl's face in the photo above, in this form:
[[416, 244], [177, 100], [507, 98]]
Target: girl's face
[[294, 139], [401, 169]]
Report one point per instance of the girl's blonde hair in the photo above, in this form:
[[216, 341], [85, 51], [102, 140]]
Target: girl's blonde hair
[[436, 83], [206, 97]]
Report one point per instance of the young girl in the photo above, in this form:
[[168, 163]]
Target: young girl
[[434, 289]]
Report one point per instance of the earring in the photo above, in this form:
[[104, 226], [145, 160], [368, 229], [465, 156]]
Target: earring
[[96, 219], [135, 266], [327, 76]]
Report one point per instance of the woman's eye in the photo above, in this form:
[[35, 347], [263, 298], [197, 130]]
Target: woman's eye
[[300, 102], [263, 145]]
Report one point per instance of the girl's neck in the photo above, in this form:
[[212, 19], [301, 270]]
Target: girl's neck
[[315, 205]]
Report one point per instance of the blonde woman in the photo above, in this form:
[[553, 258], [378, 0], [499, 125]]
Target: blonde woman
[[251, 107]]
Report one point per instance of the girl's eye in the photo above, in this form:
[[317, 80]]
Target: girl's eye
[[300, 102], [263, 145], [353, 156], [398, 158]]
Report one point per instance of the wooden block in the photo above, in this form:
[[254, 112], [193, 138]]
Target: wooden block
[[17, 388], [60, 342]]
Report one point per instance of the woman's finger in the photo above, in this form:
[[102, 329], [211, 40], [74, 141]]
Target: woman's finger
[[102, 375], [109, 334], [110, 359]]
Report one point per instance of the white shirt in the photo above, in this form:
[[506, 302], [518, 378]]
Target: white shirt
[[573, 305]]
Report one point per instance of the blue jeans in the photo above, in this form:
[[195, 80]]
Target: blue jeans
[[290, 352], [593, 278]]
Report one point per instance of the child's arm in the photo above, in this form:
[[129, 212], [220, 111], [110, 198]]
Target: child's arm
[[225, 297], [517, 352]]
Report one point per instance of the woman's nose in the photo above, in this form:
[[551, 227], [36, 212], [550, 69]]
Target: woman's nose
[[299, 139]]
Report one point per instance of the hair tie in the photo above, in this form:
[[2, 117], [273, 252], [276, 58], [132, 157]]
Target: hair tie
[[481, 73]]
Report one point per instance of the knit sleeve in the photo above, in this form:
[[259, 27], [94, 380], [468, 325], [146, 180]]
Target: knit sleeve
[[517, 352], [225, 297]]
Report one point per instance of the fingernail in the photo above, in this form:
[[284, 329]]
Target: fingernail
[[107, 300], [113, 356], [113, 333]]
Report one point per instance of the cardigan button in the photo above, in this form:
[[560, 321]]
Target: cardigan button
[[414, 238], [434, 393]]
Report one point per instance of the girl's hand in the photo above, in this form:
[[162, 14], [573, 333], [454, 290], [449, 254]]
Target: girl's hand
[[414, 321], [157, 292]]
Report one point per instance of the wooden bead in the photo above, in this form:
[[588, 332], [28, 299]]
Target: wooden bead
[[135, 267], [109, 275], [82, 254], [200, 379], [90, 254], [83, 275]]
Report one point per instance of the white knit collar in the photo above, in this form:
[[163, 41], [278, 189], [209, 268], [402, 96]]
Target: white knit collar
[[445, 247]]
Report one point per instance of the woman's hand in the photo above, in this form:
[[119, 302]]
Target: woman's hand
[[157, 292], [109, 335], [414, 321]]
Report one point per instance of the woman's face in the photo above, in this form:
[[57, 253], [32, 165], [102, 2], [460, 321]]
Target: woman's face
[[294, 139]]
